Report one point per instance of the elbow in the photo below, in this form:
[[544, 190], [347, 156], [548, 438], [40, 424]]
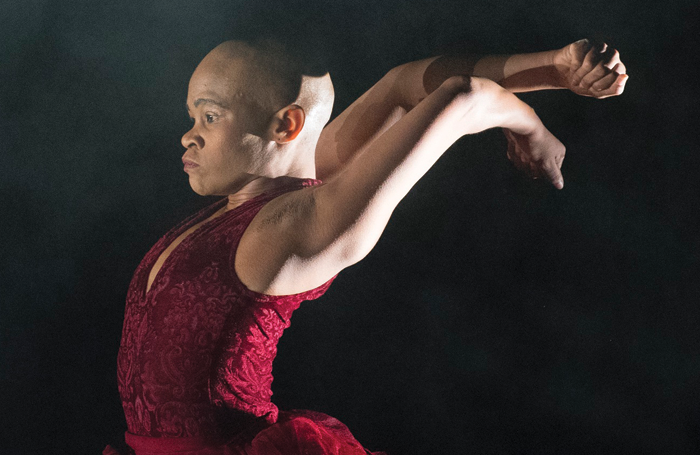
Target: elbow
[[361, 250], [461, 86], [458, 92], [470, 102], [357, 242], [355, 248]]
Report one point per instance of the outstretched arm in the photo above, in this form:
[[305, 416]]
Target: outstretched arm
[[585, 69], [355, 205], [582, 67], [340, 222]]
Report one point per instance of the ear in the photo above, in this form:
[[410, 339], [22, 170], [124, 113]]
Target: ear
[[286, 124]]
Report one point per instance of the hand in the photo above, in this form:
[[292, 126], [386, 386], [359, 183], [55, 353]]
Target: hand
[[589, 69], [538, 154]]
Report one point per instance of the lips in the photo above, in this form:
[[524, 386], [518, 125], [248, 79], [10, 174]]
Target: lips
[[189, 164]]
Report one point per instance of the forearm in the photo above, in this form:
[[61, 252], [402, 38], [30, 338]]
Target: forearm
[[521, 72], [402, 88], [517, 73], [355, 205]]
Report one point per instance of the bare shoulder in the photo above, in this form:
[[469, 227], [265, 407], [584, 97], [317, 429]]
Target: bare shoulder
[[284, 210], [268, 258]]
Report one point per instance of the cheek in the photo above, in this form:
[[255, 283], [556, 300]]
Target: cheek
[[222, 150]]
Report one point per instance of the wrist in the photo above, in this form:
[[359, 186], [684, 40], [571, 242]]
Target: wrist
[[560, 65], [529, 72], [516, 115]]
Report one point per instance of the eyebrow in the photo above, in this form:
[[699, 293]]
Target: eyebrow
[[199, 101]]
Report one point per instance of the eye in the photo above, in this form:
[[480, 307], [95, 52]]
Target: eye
[[210, 118]]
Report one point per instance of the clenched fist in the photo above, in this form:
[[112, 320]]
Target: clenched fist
[[591, 69]]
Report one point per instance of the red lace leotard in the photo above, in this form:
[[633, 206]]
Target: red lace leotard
[[195, 360]]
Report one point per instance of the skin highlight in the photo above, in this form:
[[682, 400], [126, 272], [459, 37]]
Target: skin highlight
[[257, 124], [243, 134]]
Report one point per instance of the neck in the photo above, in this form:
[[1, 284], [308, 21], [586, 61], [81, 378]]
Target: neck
[[255, 188], [296, 158], [302, 165]]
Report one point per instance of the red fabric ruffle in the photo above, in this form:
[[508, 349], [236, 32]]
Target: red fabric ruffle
[[298, 432]]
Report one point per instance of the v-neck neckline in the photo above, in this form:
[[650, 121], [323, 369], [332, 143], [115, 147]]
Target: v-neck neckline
[[146, 294], [205, 223]]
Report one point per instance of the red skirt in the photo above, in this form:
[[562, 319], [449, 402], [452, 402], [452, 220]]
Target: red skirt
[[297, 432]]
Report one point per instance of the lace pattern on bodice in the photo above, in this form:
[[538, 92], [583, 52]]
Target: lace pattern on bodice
[[197, 348]]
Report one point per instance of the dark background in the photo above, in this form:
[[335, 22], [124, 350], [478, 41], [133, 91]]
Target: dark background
[[496, 315]]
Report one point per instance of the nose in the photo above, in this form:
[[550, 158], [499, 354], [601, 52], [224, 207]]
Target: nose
[[192, 137]]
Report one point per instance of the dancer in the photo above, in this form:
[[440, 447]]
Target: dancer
[[210, 300]]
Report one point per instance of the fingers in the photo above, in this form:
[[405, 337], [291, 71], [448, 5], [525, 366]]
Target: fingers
[[610, 85], [605, 82], [596, 74], [553, 173], [579, 49], [589, 62], [535, 168], [516, 155], [601, 73], [620, 68], [616, 88], [611, 57], [608, 64]]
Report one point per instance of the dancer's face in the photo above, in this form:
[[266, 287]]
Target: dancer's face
[[226, 143]]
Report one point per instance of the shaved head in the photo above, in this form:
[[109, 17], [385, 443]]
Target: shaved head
[[267, 78], [257, 112]]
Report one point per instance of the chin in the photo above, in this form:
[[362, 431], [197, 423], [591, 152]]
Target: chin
[[198, 189], [203, 191]]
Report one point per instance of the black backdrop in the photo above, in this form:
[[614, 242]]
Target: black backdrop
[[496, 315]]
